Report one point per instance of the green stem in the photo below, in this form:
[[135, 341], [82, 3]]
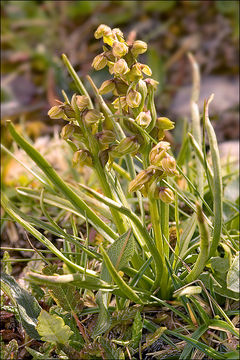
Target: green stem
[[78, 203], [76, 79], [156, 224], [204, 247], [165, 226], [118, 220]]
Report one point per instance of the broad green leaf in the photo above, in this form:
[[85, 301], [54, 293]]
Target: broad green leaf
[[137, 330], [76, 341], [219, 286], [27, 305], [66, 297], [219, 264], [188, 291], [52, 328], [123, 286], [10, 351], [36, 354], [232, 355], [104, 319], [120, 253], [233, 275]]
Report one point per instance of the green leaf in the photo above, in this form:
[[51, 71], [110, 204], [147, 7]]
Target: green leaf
[[66, 297], [10, 351], [213, 354], [187, 233], [123, 286], [188, 348], [233, 275], [217, 180], [58, 182], [71, 279], [52, 328], [104, 318], [219, 286], [151, 338], [137, 330], [36, 354], [120, 253], [110, 350], [223, 326], [18, 216], [188, 291], [219, 264], [27, 305]]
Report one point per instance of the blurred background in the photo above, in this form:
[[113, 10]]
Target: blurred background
[[36, 33]]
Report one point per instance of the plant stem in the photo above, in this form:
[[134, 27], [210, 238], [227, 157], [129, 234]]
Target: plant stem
[[156, 224], [76, 79], [118, 220], [204, 247]]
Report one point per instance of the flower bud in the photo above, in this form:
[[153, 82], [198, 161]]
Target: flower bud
[[68, 130], [118, 33], [119, 49], [128, 145], [151, 84], [106, 87], [120, 67], [106, 137], [102, 30], [141, 179], [133, 98], [103, 157], [56, 112], [142, 88], [158, 152], [168, 164], [92, 116], [120, 87], [143, 119], [82, 157], [120, 103], [135, 74], [82, 102], [145, 69], [99, 62], [164, 123], [166, 195], [68, 111], [138, 47]]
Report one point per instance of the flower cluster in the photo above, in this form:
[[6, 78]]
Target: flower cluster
[[161, 166], [91, 136]]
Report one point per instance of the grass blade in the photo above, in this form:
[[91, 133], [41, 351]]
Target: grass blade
[[78, 203], [217, 181]]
